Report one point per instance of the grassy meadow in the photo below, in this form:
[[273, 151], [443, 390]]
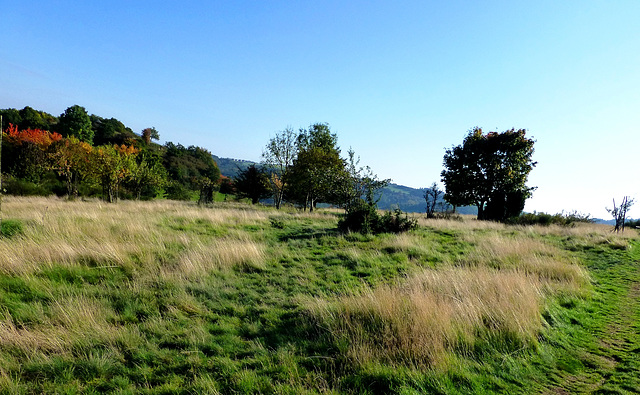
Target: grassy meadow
[[171, 297]]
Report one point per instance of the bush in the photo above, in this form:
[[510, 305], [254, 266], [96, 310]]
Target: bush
[[277, 223], [177, 191], [632, 223], [397, 222], [10, 228], [363, 217], [19, 187], [545, 219]]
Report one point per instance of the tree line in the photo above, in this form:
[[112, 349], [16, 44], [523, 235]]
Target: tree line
[[77, 154]]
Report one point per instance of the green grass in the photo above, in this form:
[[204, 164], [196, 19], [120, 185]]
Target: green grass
[[11, 228], [128, 320]]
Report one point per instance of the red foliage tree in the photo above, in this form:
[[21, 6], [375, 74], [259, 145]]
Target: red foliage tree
[[41, 138]]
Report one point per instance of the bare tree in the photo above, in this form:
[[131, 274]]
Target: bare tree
[[619, 213], [432, 195], [278, 156]]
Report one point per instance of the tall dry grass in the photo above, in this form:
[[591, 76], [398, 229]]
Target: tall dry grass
[[584, 232], [143, 234], [555, 268], [424, 320], [491, 296], [73, 322]]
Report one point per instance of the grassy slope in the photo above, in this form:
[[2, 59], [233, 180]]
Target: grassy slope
[[166, 297]]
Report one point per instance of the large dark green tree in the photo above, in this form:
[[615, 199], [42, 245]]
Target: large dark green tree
[[189, 170], [490, 171], [252, 183], [34, 119], [318, 168], [10, 116], [76, 122], [110, 131]]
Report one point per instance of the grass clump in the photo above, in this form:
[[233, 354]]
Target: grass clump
[[433, 314], [11, 228]]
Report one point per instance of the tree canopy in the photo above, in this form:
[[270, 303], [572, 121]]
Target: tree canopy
[[317, 168], [96, 156], [490, 171], [76, 122], [279, 156], [110, 131], [252, 183]]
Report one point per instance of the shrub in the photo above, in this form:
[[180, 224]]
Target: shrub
[[177, 191], [277, 223], [363, 217], [16, 186], [397, 222], [632, 223], [545, 219]]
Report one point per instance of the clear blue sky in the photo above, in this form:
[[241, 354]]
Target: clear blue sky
[[397, 81]]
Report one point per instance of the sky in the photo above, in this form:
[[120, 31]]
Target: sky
[[398, 82]]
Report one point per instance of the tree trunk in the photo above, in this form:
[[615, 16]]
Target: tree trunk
[[480, 206], [278, 199]]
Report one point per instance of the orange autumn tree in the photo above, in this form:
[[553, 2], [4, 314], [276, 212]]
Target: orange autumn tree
[[26, 152], [41, 138]]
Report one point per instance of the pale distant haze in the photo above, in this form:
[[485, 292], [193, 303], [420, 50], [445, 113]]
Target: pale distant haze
[[399, 81]]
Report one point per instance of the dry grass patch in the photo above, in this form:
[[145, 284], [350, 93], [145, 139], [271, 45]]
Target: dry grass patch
[[434, 314], [492, 297], [553, 266], [72, 322], [200, 258], [146, 234], [460, 223], [588, 235]]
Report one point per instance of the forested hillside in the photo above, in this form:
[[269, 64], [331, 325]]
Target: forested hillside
[[77, 154]]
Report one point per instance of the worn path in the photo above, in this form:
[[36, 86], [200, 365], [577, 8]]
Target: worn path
[[609, 345]]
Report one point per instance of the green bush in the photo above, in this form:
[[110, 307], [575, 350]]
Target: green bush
[[545, 219], [397, 222], [632, 223], [277, 223], [10, 228], [177, 191], [363, 217], [19, 187]]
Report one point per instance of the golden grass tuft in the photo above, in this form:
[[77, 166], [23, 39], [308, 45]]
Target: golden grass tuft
[[200, 258], [433, 314], [554, 267], [74, 321]]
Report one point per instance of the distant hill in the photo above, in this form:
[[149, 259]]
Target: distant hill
[[407, 199], [410, 200], [230, 167]]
